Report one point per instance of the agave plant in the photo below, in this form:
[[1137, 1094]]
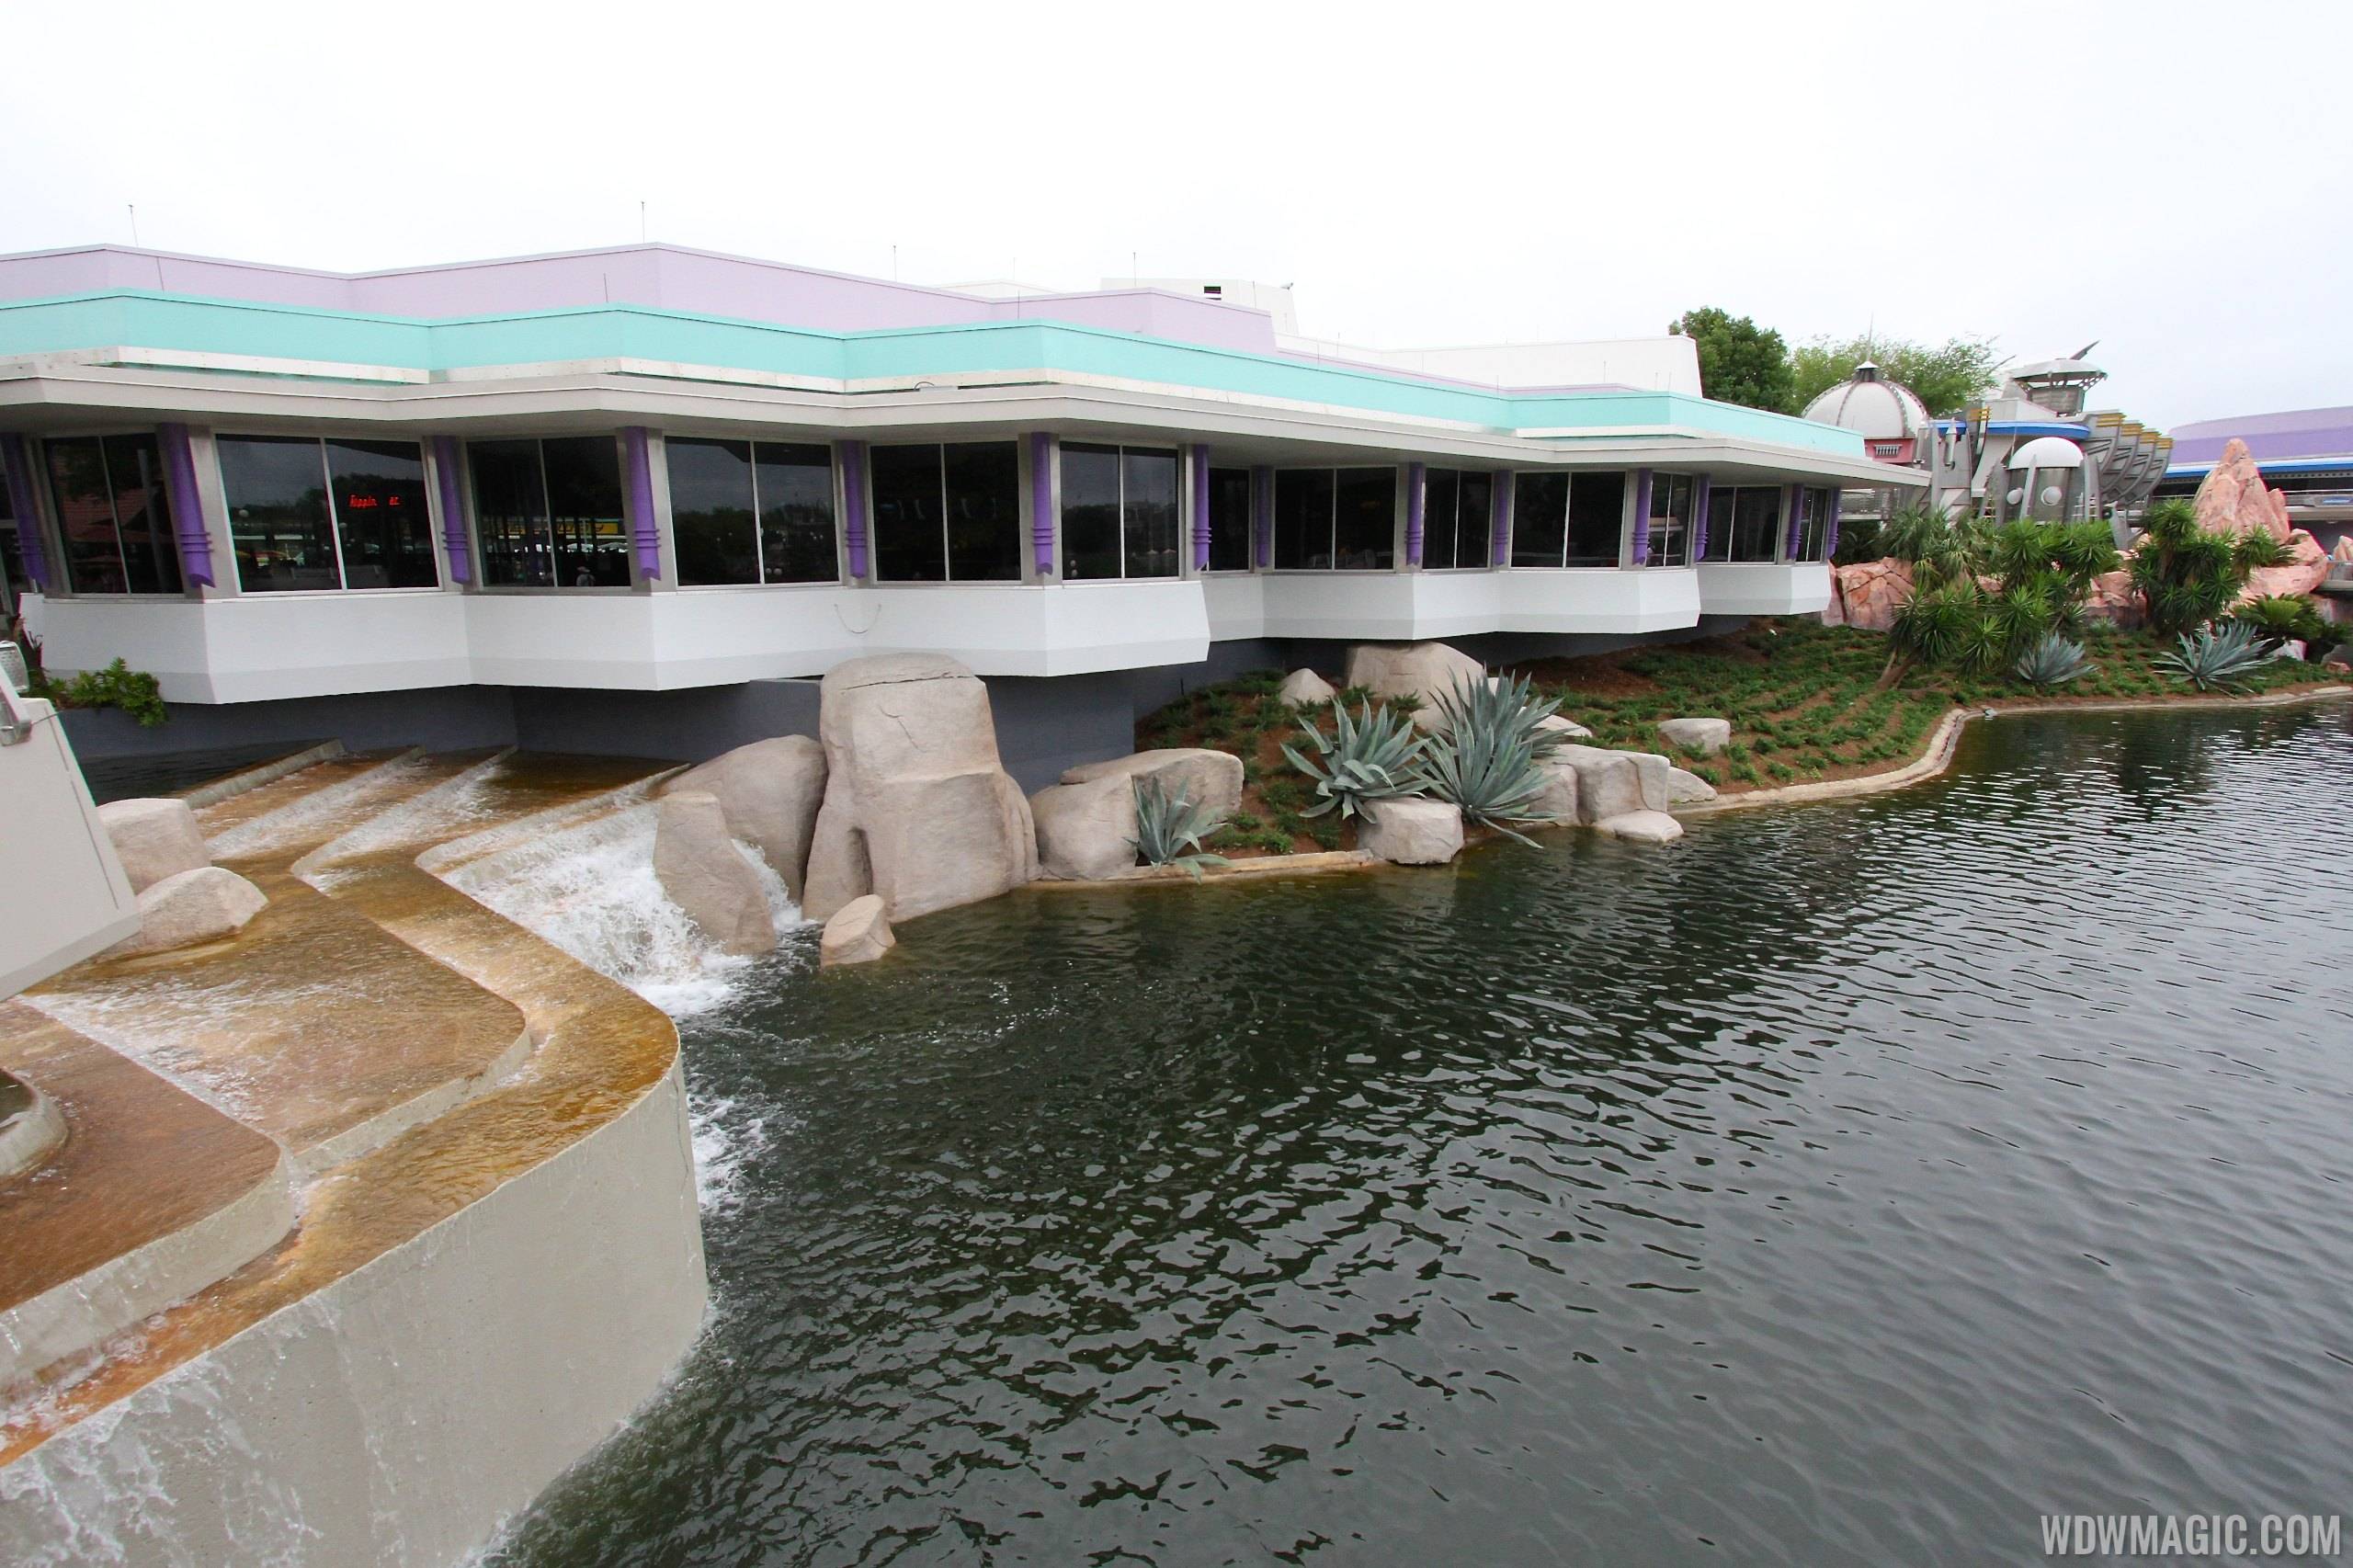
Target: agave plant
[[2052, 662], [1488, 761], [1376, 756], [2217, 659], [1169, 831]]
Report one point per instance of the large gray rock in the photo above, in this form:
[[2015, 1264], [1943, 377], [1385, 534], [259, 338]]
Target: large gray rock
[[706, 874], [770, 791], [859, 932], [155, 839], [1412, 833], [1086, 830], [198, 905], [1211, 778], [1424, 670], [917, 807], [1558, 800], [1641, 827], [1687, 788], [1703, 737], [1613, 783], [1568, 727], [1305, 689]]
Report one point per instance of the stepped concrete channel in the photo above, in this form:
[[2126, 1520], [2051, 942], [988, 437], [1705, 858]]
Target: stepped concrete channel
[[369, 1220]]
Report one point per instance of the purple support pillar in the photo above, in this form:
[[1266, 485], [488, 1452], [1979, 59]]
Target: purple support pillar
[[1830, 531], [1639, 553], [25, 509], [187, 506], [1416, 477], [1696, 530], [1262, 513], [1500, 546], [643, 530], [1042, 502], [854, 505], [1793, 511], [453, 509], [1200, 507]]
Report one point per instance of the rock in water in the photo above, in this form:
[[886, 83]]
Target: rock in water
[[200, 905], [859, 932], [1305, 689], [917, 809], [1412, 833], [770, 791], [704, 874], [1615, 783], [1686, 788], [1703, 736], [1211, 778], [156, 839], [1086, 830], [1641, 827]]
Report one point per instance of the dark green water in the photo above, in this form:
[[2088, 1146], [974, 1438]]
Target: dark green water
[[1845, 1183]]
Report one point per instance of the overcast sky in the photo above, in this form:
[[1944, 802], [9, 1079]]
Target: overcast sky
[[2172, 180]]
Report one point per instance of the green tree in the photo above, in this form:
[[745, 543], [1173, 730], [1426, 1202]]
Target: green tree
[[1949, 377], [1739, 361]]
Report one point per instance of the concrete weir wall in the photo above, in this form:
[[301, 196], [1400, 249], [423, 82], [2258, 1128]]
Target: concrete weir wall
[[400, 1415]]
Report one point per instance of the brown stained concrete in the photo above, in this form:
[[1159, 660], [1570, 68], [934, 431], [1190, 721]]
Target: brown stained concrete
[[287, 790], [600, 1050], [274, 837], [142, 1160]]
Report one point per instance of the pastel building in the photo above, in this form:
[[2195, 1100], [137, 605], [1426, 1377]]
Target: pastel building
[[634, 499], [2306, 454]]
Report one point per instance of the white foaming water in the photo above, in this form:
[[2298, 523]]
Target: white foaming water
[[591, 891], [729, 1134]]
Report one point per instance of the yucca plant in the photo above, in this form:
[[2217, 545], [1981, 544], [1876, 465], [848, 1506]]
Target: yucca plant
[[1169, 831], [1488, 761], [1376, 756], [2217, 658], [2052, 662]]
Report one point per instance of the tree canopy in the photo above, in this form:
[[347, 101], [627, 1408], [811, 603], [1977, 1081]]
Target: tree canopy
[[1948, 377], [1739, 361]]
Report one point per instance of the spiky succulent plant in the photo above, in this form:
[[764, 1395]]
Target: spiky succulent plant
[[1488, 761], [2217, 658], [1375, 756], [1169, 829], [2052, 662]]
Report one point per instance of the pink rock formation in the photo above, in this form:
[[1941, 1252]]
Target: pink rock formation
[[2114, 599], [2234, 499], [1870, 592], [2344, 551], [1835, 612]]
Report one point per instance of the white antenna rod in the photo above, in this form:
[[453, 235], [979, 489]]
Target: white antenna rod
[[640, 222], [133, 208]]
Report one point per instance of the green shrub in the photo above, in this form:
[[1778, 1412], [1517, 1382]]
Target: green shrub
[[117, 686], [2052, 662], [2188, 575], [2286, 617], [1487, 763], [1377, 755], [2224, 658]]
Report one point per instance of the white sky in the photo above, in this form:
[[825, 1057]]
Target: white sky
[[2176, 180]]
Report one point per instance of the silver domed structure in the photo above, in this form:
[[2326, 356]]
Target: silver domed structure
[[1888, 415]]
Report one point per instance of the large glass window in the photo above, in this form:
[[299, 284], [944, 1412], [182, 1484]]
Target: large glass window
[[1229, 519], [309, 514], [1744, 523], [1560, 519], [751, 512], [1670, 528], [1458, 509], [549, 512], [1344, 518], [948, 513], [1119, 511], [113, 514], [381, 520]]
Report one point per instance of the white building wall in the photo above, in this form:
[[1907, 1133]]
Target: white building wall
[[70, 898]]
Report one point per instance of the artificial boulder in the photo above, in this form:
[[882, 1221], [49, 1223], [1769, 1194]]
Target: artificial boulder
[[704, 873], [1211, 778], [859, 932], [1412, 832], [1687, 788], [1305, 689], [769, 792], [1557, 801], [1870, 592], [1703, 737], [2343, 553], [2233, 499], [155, 839], [202, 904], [917, 809], [1422, 670], [1641, 827], [1560, 726], [1086, 830], [2114, 598], [1615, 783]]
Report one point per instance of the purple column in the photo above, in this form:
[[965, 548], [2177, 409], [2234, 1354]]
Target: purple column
[[643, 530], [1793, 507], [187, 506], [1499, 554], [1640, 553], [1262, 513], [1830, 531], [1698, 528], [854, 503], [25, 509], [1416, 477], [1200, 509], [1042, 502], [453, 509]]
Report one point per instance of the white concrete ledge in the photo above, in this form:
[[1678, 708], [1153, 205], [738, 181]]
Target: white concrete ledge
[[1765, 588]]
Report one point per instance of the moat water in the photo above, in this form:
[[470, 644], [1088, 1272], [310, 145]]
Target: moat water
[[1851, 1183]]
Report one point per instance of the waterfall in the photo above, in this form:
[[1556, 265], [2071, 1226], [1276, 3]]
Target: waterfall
[[590, 890]]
